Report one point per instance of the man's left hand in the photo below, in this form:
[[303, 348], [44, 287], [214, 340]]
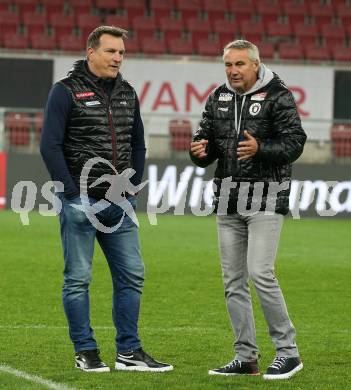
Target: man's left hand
[[248, 148]]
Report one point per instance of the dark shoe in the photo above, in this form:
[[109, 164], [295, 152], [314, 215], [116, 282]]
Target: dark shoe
[[139, 360], [236, 367], [90, 361], [283, 368]]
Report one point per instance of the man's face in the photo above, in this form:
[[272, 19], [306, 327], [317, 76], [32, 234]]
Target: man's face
[[106, 60], [241, 71]]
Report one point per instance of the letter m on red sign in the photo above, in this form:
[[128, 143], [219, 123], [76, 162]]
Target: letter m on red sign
[[2, 180]]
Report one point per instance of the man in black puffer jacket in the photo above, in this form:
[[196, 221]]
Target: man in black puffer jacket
[[93, 117], [251, 127]]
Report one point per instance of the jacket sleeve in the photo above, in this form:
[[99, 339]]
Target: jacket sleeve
[[205, 131], [289, 138], [57, 112]]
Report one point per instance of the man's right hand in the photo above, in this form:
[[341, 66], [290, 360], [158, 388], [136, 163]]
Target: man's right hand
[[198, 148]]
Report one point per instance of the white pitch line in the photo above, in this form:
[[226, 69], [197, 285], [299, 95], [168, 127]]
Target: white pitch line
[[34, 378]]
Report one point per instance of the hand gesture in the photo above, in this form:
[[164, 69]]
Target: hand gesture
[[248, 148], [198, 148]]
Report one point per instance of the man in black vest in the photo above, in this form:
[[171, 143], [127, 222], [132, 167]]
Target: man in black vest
[[92, 119]]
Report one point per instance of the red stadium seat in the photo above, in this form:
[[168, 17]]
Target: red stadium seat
[[181, 134], [317, 53], [25, 6], [279, 30], [341, 140], [252, 31], [189, 8], [333, 34], [171, 28], [296, 12], [242, 9], [322, 13], [226, 30], [145, 27], [42, 42], [343, 11], [215, 9], [71, 43], [37, 121], [268, 11], [153, 46], [18, 128], [15, 41], [34, 22], [307, 34], [134, 8], [80, 7], [121, 21], [341, 53], [209, 48], [290, 51], [111, 5], [53, 7], [132, 45], [87, 22], [266, 49], [162, 8], [61, 23], [4, 6], [180, 46], [199, 29], [9, 22]]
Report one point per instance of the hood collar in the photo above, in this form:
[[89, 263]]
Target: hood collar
[[265, 75]]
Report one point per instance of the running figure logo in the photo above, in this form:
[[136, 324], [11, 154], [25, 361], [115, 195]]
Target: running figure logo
[[119, 185]]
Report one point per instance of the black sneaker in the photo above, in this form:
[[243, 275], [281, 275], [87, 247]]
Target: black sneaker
[[90, 361], [139, 360], [283, 368], [236, 367]]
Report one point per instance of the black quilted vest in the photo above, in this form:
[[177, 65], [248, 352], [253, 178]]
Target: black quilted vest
[[99, 126]]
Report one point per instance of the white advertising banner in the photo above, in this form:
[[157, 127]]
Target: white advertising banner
[[170, 89]]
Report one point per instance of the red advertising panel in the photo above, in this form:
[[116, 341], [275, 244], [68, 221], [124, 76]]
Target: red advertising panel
[[2, 180]]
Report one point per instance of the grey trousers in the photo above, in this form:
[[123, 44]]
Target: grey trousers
[[248, 247]]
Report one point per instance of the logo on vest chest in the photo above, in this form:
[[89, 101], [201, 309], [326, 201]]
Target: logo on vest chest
[[93, 103], [255, 109], [84, 95], [225, 97], [259, 96]]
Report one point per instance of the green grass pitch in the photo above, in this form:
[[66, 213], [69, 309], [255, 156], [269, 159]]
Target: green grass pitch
[[183, 318]]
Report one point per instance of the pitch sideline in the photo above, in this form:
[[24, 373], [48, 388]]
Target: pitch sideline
[[34, 378]]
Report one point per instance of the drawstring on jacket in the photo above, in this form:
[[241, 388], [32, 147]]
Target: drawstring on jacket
[[238, 120]]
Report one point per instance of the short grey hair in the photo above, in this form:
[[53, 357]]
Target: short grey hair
[[241, 44]]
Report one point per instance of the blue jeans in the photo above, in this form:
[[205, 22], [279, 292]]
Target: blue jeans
[[122, 251]]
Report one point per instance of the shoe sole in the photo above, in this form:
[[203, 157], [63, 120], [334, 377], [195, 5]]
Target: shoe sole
[[284, 376], [211, 372], [123, 367], [102, 369]]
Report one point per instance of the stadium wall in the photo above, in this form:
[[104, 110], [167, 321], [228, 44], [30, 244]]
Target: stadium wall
[[170, 89]]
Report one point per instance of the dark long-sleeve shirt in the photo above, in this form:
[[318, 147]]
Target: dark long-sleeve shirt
[[56, 119]]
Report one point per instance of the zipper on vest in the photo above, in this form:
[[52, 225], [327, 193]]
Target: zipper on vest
[[113, 135]]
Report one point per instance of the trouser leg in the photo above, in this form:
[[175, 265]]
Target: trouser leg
[[77, 235], [232, 234], [263, 239], [122, 251]]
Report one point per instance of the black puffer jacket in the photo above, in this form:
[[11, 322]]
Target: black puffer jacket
[[270, 115], [99, 126]]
